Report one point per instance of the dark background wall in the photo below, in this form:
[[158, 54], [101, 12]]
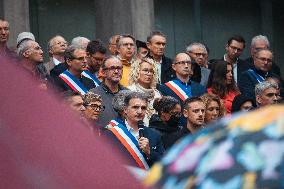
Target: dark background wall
[[214, 21]]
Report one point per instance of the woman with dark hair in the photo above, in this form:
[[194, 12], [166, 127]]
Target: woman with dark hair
[[221, 83], [242, 103], [166, 122]]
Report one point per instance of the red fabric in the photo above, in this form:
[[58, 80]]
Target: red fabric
[[227, 100], [44, 145]]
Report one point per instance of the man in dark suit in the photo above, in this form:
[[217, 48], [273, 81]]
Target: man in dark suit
[[72, 78], [257, 73], [182, 87], [156, 43], [234, 49], [145, 147], [261, 42]]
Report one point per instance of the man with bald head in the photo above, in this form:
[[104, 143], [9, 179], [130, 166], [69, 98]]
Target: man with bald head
[[56, 47], [182, 87]]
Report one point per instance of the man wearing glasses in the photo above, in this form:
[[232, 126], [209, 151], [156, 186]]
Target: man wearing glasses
[[182, 88], [112, 73], [234, 49], [198, 52], [261, 69], [72, 78]]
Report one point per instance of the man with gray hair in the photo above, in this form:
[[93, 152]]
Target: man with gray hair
[[266, 93], [78, 43], [261, 42], [198, 52], [56, 47]]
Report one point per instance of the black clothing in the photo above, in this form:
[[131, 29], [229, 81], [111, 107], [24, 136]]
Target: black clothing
[[174, 137], [157, 124], [239, 100], [58, 69]]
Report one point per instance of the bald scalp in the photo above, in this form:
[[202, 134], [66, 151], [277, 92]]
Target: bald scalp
[[180, 56]]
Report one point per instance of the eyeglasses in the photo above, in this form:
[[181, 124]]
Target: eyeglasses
[[96, 107], [183, 62], [199, 54], [148, 71], [80, 58], [113, 68], [264, 59]]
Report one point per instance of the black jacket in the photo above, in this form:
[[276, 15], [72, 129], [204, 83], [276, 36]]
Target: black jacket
[[157, 124]]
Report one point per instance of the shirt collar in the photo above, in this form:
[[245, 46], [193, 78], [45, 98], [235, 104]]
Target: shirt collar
[[55, 61]]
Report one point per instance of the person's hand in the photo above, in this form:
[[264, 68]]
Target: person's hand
[[144, 145]]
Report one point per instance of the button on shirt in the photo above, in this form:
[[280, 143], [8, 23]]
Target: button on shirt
[[131, 130]]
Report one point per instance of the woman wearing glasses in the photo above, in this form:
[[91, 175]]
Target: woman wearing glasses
[[143, 78], [93, 106]]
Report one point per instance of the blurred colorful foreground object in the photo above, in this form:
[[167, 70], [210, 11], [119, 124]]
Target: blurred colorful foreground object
[[245, 151], [43, 145]]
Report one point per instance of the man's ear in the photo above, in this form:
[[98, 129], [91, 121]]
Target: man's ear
[[185, 113], [68, 61], [148, 44], [258, 99], [26, 54], [227, 47], [174, 67]]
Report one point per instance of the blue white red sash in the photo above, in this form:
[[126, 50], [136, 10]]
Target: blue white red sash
[[73, 82], [179, 89], [258, 77], [130, 143], [112, 123], [89, 75]]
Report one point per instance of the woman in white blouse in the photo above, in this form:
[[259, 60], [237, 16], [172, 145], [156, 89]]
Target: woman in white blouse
[[143, 77]]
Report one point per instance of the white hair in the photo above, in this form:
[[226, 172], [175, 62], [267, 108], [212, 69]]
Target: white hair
[[259, 38]]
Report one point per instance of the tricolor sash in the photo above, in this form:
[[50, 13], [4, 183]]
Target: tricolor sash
[[179, 89], [258, 77], [113, 123], [91, 76], [130, 143], [73, 82]]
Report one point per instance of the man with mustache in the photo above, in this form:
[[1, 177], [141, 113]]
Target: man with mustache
[[182, 88], [72, 78]]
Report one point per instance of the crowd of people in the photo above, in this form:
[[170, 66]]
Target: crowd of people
[[141, 99]]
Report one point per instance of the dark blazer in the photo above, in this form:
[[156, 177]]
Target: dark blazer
[[156, 146], [58, 69], [167, 73], [248, 81], [62, 86]]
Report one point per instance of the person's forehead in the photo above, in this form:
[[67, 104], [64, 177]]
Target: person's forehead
[[58, 39], [260, 43], [196, 49], [182, 57], [196, 105], [158, 38], [127, 40], [34, 44], [79, 52], [146, 64], [4, 23], [77, 99], [265, 53], [269, 90], [113, 62], [137, 101], [235, 42]]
